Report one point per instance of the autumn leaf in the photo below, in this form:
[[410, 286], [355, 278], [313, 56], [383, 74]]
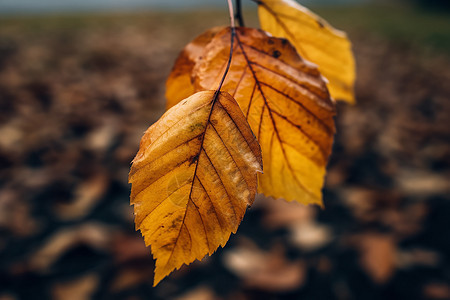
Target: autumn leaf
[[193, 178], [315, 40], [286, 103], [179, 85]]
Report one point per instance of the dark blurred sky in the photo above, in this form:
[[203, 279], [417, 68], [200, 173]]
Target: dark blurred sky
[[36, 6]]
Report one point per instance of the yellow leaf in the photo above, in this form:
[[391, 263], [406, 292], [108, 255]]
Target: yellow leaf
[[315, 40], [193, 178], [286, 103], [179, 85]]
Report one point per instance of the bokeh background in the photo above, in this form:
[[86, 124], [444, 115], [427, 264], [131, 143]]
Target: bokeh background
[[80, 81]]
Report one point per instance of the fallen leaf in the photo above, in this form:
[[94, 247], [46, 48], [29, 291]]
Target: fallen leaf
[[315, 40], [129, 278], [411, 258], [437, 290], [199, 293], [87, 195], [286, 103], [16, 215], [378, 255], [193, 178], [78, 289], [126, 248], [310, 236], [100, 139], [269, 271], [91, 234], [282, 214], [179, 84], [423, 183]]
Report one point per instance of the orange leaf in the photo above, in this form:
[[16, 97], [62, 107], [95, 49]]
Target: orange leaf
[[193, 178], [179, 85], [315, 40], [286, 103]]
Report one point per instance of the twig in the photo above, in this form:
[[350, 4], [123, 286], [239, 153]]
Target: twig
[[239, 15]]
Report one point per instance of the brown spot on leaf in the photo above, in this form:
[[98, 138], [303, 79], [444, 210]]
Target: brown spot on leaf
[[276, 53]]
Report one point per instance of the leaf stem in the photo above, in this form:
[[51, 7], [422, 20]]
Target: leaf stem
[[233, 33]]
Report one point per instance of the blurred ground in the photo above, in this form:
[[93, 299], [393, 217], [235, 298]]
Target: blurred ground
[[77, 93]]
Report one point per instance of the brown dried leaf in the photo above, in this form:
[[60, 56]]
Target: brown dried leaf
[[179, 84], [377, 255], [269, 271], [78, 289]]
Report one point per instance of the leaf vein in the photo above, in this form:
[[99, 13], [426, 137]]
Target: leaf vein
[[203, 223]]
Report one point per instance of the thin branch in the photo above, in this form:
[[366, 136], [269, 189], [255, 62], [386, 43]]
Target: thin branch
[[231, 11], [233, 33], [239, 15]]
